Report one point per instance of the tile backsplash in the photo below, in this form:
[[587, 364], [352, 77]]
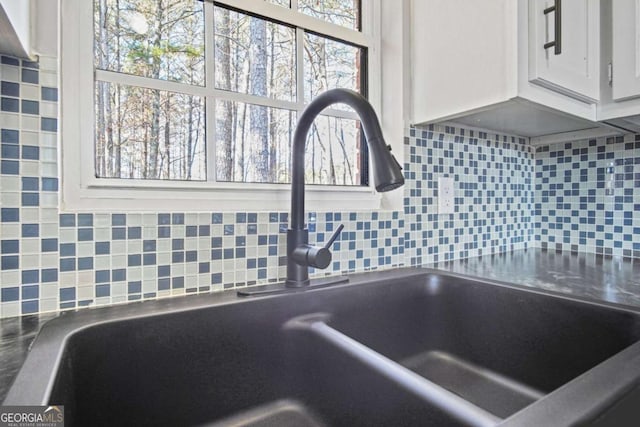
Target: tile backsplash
[[54, 260], [587, 196]]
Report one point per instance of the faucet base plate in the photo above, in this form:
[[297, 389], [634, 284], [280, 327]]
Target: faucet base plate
[[280, 288]]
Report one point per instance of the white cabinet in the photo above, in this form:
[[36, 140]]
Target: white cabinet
[[620, 69], [626, 49], [483, 63], [564, 40]]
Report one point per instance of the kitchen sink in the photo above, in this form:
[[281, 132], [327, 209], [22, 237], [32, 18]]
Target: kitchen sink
[[407, 347]]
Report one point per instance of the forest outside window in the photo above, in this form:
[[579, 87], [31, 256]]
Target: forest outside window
[[209, 92]]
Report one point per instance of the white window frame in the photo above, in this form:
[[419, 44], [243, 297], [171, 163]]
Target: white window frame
[[82, 191]]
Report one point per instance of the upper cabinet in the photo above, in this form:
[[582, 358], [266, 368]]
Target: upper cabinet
[[15, 28], [620, 70], [625, 63], [529, 67], [564, 46]]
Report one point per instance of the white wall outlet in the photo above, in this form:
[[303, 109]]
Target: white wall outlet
[[446, 199]]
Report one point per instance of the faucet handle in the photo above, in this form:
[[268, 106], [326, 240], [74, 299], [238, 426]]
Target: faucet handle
[[334, 236], [316, 256]]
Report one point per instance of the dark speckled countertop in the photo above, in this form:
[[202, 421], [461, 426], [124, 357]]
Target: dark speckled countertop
[[614, 280], [611, 279]]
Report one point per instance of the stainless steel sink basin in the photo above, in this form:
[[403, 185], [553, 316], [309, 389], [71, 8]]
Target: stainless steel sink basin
[[381, 350]]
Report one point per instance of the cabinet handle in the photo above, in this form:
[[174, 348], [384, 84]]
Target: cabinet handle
[[557, 23]]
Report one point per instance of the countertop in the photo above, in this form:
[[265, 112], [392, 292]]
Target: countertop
[[590, 276], [611, 279]]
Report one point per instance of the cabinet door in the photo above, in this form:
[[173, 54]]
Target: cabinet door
[[573, 70], [626, 49]]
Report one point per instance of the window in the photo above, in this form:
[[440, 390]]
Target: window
[[204, 96]]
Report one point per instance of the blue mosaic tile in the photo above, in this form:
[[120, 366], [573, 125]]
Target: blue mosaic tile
[[9, 60], [9, 262], [30, 152], [30, 292], [49, 275], [30, 277], [85, 263], [134, 287], [10, 105], [85, 234], [30, 107], [30, 307], [30, 230], [119, 275], [48, 124], [118, 220], [67, 294], [68, 249], [67, 220], [9, 167], [134, 233], [10, 246], [10, 89], [10, 151], [30, 76], [85, 220], [102, 248], [103, 290], [10, 136], [49, 94], [67, 264], [9, 294]]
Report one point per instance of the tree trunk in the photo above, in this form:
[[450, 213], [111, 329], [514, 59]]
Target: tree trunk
[[225, 114], [258, 116]]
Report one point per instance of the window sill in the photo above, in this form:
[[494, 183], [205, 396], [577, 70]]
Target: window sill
[[204, 198]]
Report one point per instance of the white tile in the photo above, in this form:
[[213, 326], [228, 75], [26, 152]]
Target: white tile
[[149, 233], [10, 73], [48, 139], [10, 309], [9, 120], [48, 79], [102, 234], [30, 123], [29, 168], [30, 246], [163, 258], [10, 199], [102, 263], [134, 246], [31, 92], [118, 261], [10, 278], [29, 261], [49, 260], [48, 199], [10, 183], [48, 109], [30, 215], [48, 154], [177, 270], [119, 247]]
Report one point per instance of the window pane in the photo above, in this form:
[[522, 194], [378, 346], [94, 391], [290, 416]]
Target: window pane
[[333, 152], [148, 134], [252, 142], [341, 12], [329, 64], [254, 56], [156, 39]]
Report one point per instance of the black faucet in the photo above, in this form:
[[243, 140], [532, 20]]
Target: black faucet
[[387, 176]]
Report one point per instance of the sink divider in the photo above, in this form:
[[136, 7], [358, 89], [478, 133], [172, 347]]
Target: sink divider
[[452, 404]]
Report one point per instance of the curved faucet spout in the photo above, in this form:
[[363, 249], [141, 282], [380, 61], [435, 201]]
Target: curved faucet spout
[[387, 175]]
